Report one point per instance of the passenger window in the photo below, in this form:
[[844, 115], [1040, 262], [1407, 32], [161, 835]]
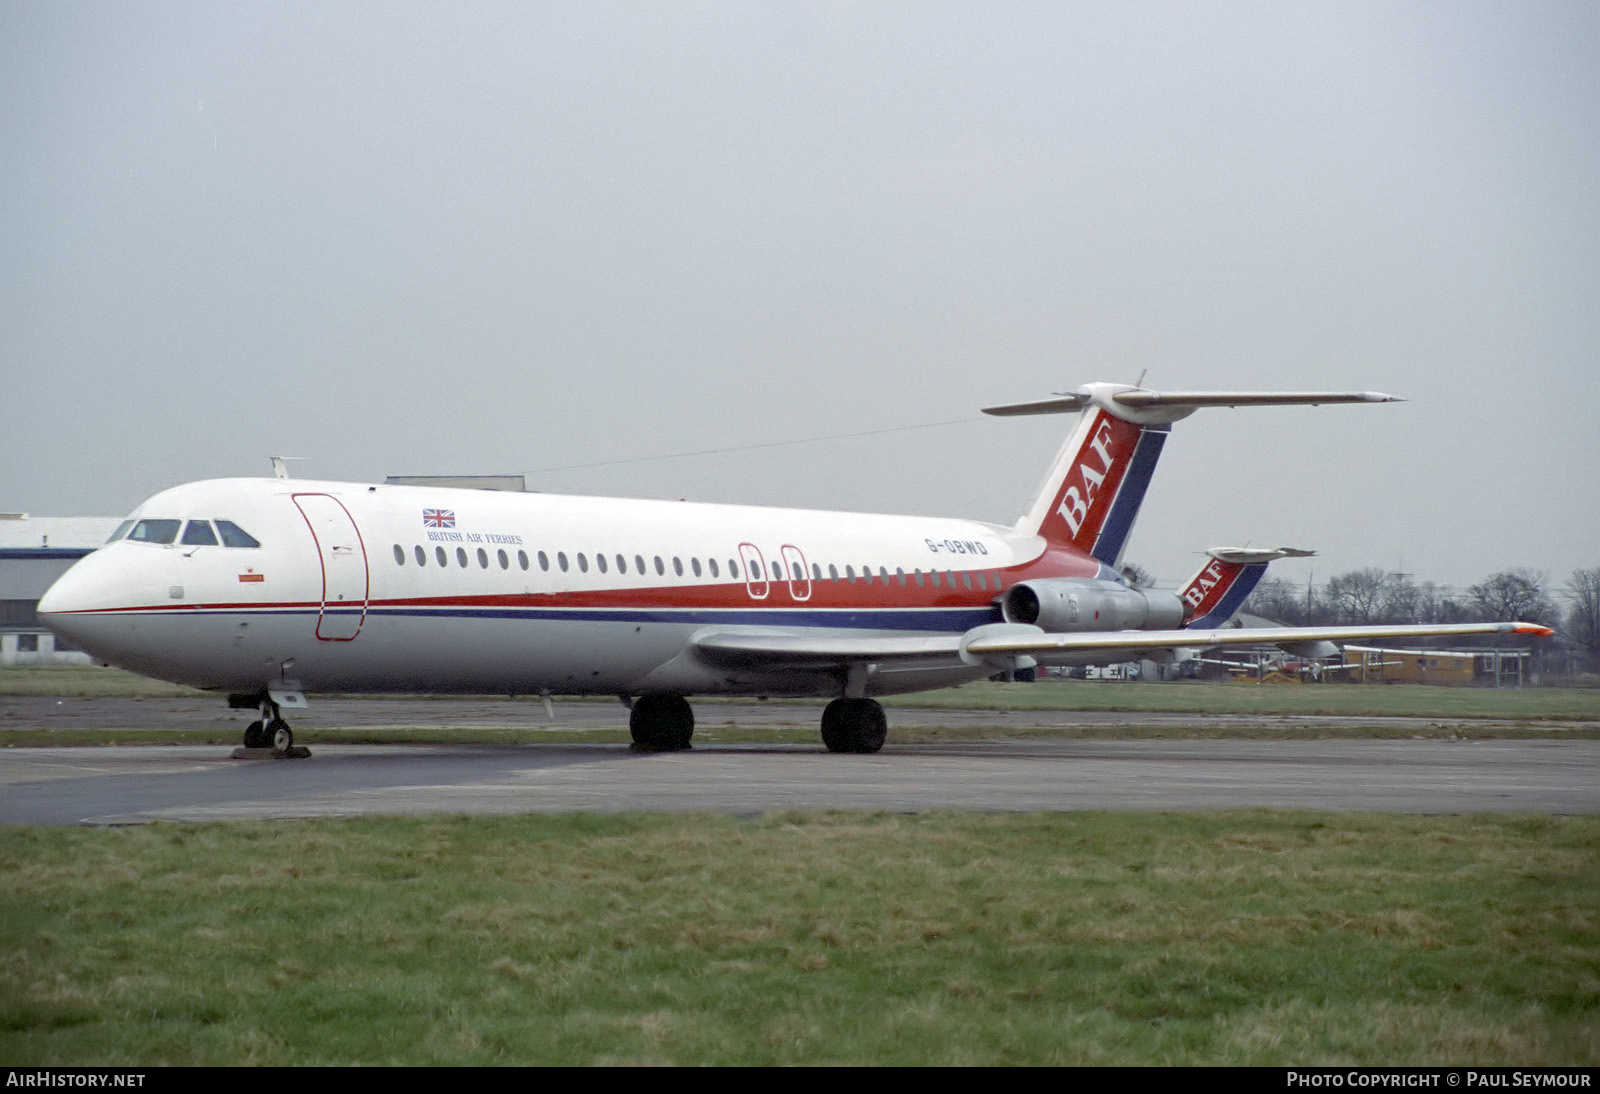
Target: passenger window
[[777, 571], [234, 536], [661, 567], [638, 564], [694, 564], [583, 563], [461, 557], [713, 564], [198, 533], [677, 565], [155, 531], [422, 556], [600, 563], [982, 582], [816, 572], [544, 561], [933, 575], [622, 565], [850, 574], [883, 572], [399, 555], [918, 574], [799, 574], [966, 578], [505, 563], [561, 560], [438, 553], [522, 559], [733, 569], [901, 574], [483, 559]]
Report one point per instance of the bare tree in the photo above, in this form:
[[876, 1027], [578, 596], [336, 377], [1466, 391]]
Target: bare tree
[[1283, 602], [1371, 596], [1583, 621], [1137, 576], [1514, 595], [1437, 604]]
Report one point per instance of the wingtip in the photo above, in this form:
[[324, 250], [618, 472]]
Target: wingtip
[[1535, 629]]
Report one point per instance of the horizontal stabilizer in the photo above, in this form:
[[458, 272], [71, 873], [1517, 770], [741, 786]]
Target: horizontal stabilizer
[[1252, 556], [1196, 399], [1184, 402]]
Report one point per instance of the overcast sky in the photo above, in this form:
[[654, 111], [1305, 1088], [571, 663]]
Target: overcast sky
[[403, 238]]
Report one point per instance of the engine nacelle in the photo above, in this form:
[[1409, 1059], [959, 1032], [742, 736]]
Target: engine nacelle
[[1073, 604]]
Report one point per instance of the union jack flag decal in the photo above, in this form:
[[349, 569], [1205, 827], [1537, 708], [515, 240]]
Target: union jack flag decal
[[438, 518]]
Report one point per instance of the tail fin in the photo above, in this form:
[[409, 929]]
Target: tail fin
[[1094, 489], [1214, 594]]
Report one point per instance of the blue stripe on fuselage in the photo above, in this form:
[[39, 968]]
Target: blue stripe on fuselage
[[936, 620]]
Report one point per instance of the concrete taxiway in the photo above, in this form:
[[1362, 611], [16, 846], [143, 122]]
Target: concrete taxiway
[[120, 785]]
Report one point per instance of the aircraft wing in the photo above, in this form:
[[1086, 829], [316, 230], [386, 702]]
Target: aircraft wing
[[999, 643], [746, 649], [1043, 645]]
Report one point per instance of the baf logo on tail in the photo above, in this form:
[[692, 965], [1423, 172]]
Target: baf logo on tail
[[1104, 485]]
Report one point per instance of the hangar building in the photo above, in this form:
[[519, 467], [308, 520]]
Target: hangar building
[[34, 551]]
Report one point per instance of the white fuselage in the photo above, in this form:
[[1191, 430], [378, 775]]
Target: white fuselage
[[363, 588]]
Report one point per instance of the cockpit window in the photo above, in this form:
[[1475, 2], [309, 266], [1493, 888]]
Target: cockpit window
[[122, 530], [198, 533], [155, 531], [234, 536]]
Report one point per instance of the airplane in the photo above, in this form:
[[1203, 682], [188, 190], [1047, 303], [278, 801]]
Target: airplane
[[266, 589]]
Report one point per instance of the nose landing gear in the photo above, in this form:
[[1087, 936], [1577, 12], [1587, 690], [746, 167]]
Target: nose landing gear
[[270, 731]]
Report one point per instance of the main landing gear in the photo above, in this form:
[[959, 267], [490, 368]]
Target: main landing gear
[[661, 723], [854, 725], [270, 731], [665, 723]]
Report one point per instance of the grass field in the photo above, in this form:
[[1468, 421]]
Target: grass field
[[1256, 938], [1409, 700], [1453, 713]]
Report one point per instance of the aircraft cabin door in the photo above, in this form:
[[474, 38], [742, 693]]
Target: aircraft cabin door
[[755, 571], [343, 557], [794, 565]]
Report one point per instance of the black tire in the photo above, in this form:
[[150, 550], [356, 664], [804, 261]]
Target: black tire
[[661, 723], [854, 725], [278, 735], [255, 736]]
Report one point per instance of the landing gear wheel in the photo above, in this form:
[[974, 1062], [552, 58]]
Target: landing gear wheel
[[278, 732], [854, 725], [661, 723], [255, 736]]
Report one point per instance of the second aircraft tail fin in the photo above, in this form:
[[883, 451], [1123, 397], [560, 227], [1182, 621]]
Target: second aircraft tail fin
[[1215, 594]]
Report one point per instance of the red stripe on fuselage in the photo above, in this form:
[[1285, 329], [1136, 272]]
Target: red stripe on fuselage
[[1055, 562]]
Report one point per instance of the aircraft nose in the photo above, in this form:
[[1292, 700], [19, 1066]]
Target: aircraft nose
[[72, 606]]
